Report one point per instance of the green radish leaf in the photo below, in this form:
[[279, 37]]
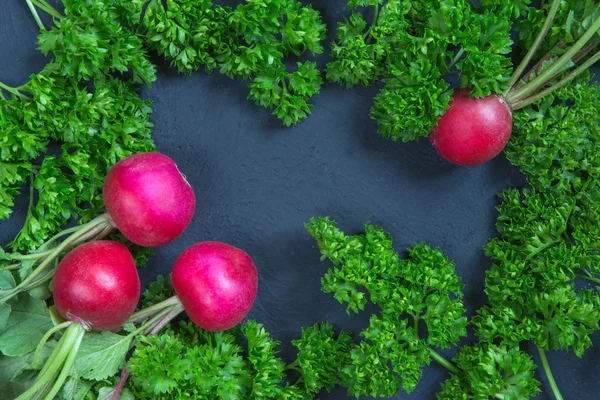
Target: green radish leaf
[[129, 327], [26, 325], [106, 393], [101, 355], [7, 281], [4, 314], [14, 375], [75, 388], [41, 292]]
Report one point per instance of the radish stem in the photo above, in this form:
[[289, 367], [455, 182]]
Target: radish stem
[[542, 79], [40, 346], [558, 85], [536, 45]]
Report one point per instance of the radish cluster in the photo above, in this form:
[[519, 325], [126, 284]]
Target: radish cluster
[[96, 285]]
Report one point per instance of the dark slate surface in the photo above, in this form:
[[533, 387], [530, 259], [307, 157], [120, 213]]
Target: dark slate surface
[[257, 183]]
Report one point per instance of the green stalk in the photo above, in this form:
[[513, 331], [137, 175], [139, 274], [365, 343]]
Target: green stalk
[[12, 90], [153, 310], [589, 278], [443, 362], [558, 85], [52, 331], [67, 366], [542, 79], [549, 375], [175, 311], [456, 57], [367, 35], [536, 45], [35, 15], [44, 6], [25, 257], [72, 336]]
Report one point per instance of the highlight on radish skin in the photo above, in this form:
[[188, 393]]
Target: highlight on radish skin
[[216, 283], [472, 131], [97, 284], [148, 199]]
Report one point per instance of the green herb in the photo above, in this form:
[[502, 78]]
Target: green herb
[[420, 299], [490, 371], [185, 360], [248, 42]]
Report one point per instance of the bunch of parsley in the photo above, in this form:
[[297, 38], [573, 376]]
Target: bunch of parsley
[[419, 302], [62, 130], [250, 42]]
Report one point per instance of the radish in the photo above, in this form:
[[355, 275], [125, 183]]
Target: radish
[[473, 131], [96, 287], [146, 198], [216, 283], [97, 284]]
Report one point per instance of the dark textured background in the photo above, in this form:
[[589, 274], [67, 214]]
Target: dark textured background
[[257, 183]]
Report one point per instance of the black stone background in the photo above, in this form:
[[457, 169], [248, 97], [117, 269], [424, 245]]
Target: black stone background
[[257, 183]]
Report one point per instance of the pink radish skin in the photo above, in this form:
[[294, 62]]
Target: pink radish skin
[[216, 283], [148, 199], [97, 284], [472, 131]]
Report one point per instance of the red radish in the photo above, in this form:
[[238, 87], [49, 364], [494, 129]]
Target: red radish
[[472, 131], [148, 199], [216, 283], [97, 284]]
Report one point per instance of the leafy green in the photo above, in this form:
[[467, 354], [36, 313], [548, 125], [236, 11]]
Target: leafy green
[[26, 325], [489, 371], [414, 46], [556, 141], [96, 130], [160, 289], [422, 290], [101, 355], [544, 245], [249, 42], [184, 360], [14, 372], [321, 357], [571, 21], [89, 42]]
